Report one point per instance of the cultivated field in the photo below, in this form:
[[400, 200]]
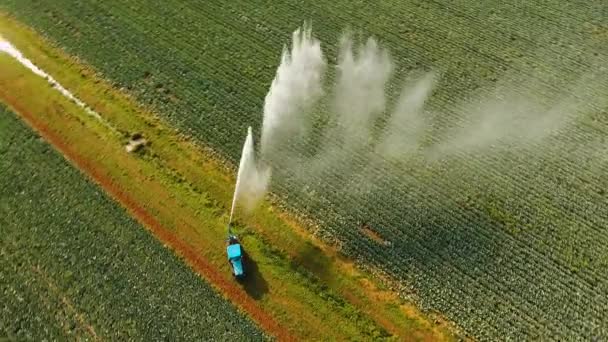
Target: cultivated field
[[297, 286], [74, 265], [508, 241]]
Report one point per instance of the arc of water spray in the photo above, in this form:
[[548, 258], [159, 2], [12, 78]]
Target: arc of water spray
[[297, 85], [251, 180]]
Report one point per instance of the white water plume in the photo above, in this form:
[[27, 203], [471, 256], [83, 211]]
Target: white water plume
[[515, 116], [296, 86], [406, 124], [358, 99], [251, 181], [359, 92], [355, 140]]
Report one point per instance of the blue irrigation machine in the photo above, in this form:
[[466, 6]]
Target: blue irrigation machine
[[235, 255]]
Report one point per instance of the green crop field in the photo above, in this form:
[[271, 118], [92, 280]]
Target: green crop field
[[511, 244], [75, 266]]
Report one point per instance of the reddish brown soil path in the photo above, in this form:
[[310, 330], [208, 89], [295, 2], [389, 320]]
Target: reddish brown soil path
[[234, 293]]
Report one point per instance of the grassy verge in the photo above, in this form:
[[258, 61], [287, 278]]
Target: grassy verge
[[300, 282]]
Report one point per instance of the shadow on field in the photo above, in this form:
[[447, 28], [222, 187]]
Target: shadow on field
[[430, 239], [313, 260], [471, 235], [440, 243], [254, 283]]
